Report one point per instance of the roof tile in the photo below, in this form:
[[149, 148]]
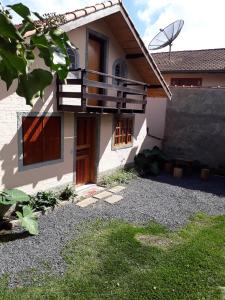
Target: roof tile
[[207, 60]]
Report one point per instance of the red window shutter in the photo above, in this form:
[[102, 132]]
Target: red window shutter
[[51, 138], [41, 139], [32, 140]]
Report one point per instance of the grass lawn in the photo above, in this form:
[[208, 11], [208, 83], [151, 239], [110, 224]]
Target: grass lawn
[[116, 260]]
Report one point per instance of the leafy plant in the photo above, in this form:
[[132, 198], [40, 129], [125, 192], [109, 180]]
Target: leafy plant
[[28, 220], [119, 177], [67, 193], [43, 200], [150, 161], [13, 196], [17, 52]]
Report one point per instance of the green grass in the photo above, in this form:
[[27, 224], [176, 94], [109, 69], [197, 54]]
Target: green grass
[[118, 177], [108, 262]]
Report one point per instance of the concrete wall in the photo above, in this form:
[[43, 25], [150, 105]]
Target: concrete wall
[[195, 125]]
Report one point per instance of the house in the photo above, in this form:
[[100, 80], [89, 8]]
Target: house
[[195, 117], [199, 68], [97, 120]]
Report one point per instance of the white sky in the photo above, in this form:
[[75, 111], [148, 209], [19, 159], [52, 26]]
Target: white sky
[[204, 21], [204, 25]]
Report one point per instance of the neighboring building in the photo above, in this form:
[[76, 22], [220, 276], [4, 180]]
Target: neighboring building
[[196, 115], [205, 68], [96, 121]]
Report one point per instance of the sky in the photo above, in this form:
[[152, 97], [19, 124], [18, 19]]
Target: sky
[[204, 20]]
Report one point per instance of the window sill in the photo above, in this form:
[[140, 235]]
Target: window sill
[[120, 147]]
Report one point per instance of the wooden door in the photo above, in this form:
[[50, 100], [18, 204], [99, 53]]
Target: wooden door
[[95, 63], [85, 160]]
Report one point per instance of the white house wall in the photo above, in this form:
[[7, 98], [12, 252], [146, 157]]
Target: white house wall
[[50, 175]]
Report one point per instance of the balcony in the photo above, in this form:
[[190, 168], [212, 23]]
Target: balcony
[[92, 91]]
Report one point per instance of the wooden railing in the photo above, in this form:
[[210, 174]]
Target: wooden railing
[[96, 91]]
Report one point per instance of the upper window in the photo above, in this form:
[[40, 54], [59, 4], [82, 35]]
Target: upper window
[[41, 139], [74, 57], [119, 69], [186, 81], [123, 132]]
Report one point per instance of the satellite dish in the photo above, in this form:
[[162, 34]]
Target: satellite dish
[[166, 36]]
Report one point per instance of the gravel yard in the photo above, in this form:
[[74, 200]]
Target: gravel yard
[[164, 199]]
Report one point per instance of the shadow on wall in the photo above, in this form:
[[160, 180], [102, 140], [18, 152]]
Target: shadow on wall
[[10, 175], [109, 159]]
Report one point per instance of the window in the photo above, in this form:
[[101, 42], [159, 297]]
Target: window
[[73, 54], [74, 57], [123, 132], [186, 81], [41, 139], [119, 70]]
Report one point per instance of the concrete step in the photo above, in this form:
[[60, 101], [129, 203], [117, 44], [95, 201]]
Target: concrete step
[[113, 199], [86, 202]]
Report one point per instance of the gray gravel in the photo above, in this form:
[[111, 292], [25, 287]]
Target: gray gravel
[[164, 199]]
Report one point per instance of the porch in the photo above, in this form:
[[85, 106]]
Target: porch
[[92, 91]]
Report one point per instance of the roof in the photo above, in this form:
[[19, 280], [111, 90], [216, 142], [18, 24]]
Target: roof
[[117, 18], [76, 14], [206, 60]]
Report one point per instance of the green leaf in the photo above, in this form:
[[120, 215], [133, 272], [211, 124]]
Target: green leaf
[[8, 30], [13, 196], [7, 73], [20, 9], [26, 26], [57, 32], [40, 41], [16, 61], [28, 220], [32, 85]]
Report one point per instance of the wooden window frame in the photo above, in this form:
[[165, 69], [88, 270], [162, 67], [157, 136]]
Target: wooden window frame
[[127, 137], [45, 157], [196, 81]]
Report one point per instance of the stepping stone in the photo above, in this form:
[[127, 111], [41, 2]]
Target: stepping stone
[[114, 199], [103, 195], [117, 189], [86, 202]]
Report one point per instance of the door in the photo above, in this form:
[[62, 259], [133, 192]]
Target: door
[[85, 159], [95, 63]]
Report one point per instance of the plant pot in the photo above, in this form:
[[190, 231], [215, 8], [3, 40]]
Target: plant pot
[[178, 172], [205, 174], [168, 167]]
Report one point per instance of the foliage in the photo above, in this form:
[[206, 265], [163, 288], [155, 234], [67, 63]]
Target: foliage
[[106, 261], [28, 220], [13, 196], [150, 161], [67, 194], [119, 177], [43, 200], [17, 52]]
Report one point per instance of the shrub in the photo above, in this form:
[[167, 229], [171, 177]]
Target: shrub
[[43, 200], [67, 194], [28, 220], [150, 161], [119, 177]]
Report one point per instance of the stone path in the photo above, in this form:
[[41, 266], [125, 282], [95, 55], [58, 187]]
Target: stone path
[[108, 196]]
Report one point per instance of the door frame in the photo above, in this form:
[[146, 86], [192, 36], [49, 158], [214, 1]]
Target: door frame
[[97, 118], [105, 43]]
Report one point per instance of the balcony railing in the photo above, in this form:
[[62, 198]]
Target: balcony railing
[[92, 91]]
